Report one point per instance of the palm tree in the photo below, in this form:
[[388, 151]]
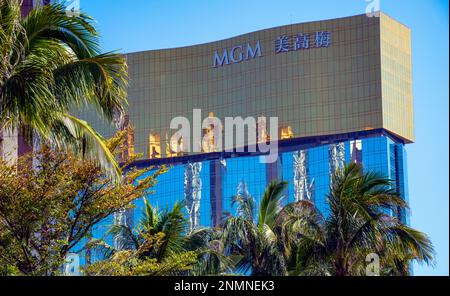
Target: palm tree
[[360, 223], [158, 235], [208, 244], [162, 235], [50, 64], [256, 242]]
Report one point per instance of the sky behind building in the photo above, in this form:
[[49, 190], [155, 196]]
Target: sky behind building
[[138, 25]]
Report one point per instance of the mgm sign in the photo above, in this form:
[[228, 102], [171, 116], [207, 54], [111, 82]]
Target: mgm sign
[[283, 43], [237, 54]]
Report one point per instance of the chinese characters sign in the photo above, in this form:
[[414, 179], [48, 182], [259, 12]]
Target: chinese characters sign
[[301, 41]]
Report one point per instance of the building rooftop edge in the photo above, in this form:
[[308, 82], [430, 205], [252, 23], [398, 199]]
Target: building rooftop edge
[[257, 31]]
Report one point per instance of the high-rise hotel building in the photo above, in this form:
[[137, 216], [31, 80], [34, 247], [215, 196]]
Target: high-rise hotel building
[[341, 90]]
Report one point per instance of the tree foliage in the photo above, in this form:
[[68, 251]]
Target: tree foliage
[[131, 263], [296, 239], [362, 220], [46, 211], [255, 243], [157, 246]]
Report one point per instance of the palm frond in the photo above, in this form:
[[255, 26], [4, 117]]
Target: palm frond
[[50, 64], [52, 22], [271, 203], [245, 206], [124, 236], [77, 135], [150, 218], [173, 224], [101, 248], [411, 242]]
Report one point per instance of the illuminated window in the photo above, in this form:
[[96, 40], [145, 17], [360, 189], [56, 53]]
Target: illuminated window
[[128, 145], [286, 132], [209, 143], [154, 145], [263, 135]]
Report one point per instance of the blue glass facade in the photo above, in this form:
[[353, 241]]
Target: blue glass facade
[[219, 177], [222, 178]]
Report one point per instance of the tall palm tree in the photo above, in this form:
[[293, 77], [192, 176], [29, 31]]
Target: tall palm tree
[[256, 241], [51, 63], [360, 223]]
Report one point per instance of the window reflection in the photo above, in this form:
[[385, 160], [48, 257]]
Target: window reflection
[[286, 132], [128, 145], [154, 145]]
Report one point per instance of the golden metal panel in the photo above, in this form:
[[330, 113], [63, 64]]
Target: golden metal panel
[[396, 73], [362, 81]]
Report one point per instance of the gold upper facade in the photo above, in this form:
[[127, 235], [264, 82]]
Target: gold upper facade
[[359, 79], [396, 78]]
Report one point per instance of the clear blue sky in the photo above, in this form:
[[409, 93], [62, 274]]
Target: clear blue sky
[[152, 24]]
